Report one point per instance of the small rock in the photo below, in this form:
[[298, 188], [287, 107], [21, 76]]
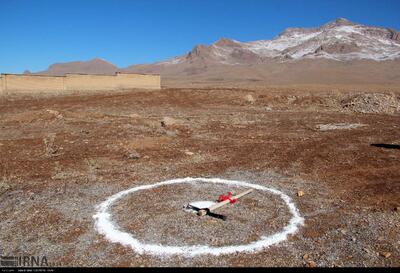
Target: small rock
[[311, 264], [385, 254], [250, 99], [343, 231], [134, 116], [214, 240], [300, 193], [171, 133], [167, 121], [306, 256], [267, 108], [4, 187], [397, 209], [133, 155], [55, 113], [189, 153]]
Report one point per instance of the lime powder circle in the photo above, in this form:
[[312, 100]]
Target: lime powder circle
[[105, 225]]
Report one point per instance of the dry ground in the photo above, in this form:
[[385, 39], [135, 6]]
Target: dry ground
[[61, 156]]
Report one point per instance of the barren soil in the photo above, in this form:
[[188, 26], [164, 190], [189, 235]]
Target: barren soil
[[62, 156]]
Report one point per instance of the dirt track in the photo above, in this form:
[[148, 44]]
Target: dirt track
[[59, 157]]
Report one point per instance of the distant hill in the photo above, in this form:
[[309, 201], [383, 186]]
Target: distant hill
[[94, 66]]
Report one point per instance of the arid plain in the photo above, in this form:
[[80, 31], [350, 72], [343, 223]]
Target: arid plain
[[62, 156]]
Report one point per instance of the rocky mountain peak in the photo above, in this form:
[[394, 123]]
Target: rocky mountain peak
[[225, 42], [295, 30], [198, 51], [338, 22]]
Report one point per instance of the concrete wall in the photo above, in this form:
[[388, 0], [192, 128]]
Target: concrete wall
[[35, 84], [82, 82], [125, 81], [26, 84]]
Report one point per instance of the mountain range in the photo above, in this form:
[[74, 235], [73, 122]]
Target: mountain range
[[339, 50]]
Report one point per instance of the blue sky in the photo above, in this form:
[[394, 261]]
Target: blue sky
[[37, 33]]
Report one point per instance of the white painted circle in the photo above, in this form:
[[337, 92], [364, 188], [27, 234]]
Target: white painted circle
[[105, 225]]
